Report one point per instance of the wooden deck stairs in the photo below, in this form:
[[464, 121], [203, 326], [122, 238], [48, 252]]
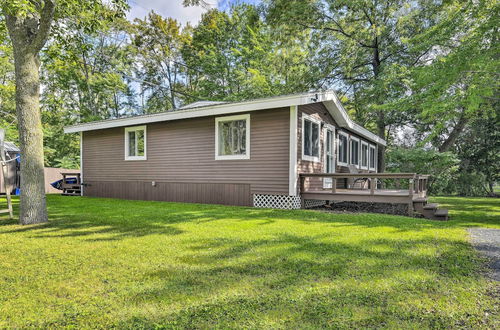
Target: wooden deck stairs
[[430, 210]]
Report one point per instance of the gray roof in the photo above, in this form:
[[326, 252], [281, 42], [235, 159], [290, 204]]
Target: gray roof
[[200, 104], [11, 147]]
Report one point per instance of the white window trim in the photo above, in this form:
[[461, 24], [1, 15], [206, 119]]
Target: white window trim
[[307, 157], [348, 149], [371, 146], [359, 151], [364, 143], [327, 182], [218, 120], [133, 129]]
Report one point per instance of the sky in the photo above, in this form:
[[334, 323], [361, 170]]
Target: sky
[[175, 9]]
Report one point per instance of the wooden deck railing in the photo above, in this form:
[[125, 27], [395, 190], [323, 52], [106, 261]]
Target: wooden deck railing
[[377, 190]]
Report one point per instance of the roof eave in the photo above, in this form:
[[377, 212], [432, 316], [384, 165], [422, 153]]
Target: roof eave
[[329, 99], [261, 104]]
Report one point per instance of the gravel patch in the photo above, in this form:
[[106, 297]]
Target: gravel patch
[[487, 242]]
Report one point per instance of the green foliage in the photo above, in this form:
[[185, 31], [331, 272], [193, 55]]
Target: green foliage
[[428, 65], [234, 56], [479, 151], [8, 119], [96, 264], [359, 47], [157, 42], [442, 166], [456, 78]]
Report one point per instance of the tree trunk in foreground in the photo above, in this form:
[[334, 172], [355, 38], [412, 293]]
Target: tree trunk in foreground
[[28, 34], [33, 207]]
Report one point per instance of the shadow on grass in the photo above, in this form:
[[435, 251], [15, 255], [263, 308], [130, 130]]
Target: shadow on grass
[[309, 280], [276, 279], [471, 211], [112, 219]]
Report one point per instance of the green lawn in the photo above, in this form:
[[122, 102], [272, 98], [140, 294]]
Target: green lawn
[[103, 263]]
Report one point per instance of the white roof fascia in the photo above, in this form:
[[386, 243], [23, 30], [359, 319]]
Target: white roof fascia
[[215, 110], [340, 115], [329, 99]]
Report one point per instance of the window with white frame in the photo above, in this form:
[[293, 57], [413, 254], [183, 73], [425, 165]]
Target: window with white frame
[[354, 151], [232, 137], [364, 155], [343, 153], [329, 146], [310, 139], [372, 157], [135, 143]]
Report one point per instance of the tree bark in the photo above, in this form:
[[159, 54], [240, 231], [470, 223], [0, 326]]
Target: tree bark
[[455, 133], [29, 34], [33, 207], [380, 114], [381, 148]]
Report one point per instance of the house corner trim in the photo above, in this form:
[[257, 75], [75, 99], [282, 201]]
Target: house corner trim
[[293, 175], [81, 163]]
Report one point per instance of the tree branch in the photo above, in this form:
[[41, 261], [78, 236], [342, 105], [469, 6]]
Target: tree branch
[[46, 18], [455, 133]]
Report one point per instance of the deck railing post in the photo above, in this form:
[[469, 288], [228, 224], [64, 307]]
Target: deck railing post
[[302, 184], [411, 189], [373, 183], [334, 185]]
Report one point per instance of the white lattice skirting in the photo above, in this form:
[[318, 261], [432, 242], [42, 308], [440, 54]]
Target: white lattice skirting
[[308, 203], [284, 202]]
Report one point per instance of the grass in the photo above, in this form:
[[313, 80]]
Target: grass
[[102, 263]]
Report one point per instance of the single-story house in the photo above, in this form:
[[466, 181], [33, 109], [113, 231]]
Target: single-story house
[[243, 153]]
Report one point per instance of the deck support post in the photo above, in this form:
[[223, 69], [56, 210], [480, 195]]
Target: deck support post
[[410, 192], [417, 185], [302, 184]]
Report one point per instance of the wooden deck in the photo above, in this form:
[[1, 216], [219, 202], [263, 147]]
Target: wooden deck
[[371, 188], [362, 195]]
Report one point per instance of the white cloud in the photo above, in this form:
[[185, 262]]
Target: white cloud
[[167, 8]]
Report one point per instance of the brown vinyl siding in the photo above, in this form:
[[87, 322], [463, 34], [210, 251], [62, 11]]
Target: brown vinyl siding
[[183, 152], [320, 112], [207, 193]]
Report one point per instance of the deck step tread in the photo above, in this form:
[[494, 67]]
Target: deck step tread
[[441, 212], [430, 206], [420, 200]]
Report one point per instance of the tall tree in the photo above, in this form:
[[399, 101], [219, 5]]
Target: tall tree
[[233, 56], [358, 41], [456, 82], [158, 42], [29, 25]]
